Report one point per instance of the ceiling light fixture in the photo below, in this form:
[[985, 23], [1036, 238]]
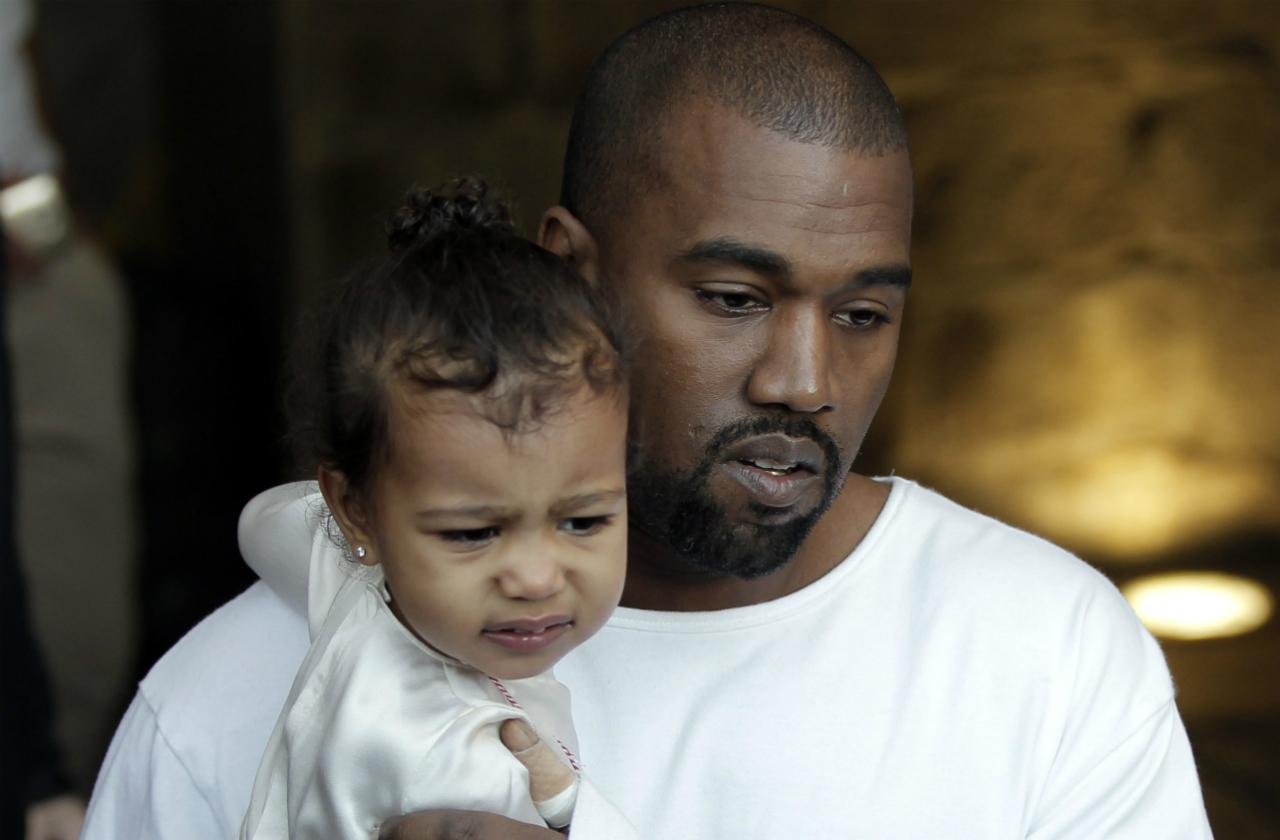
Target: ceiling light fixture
[[1199, 605]]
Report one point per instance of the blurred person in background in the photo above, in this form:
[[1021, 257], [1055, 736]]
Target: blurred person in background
[[67, 327], [35, 795]]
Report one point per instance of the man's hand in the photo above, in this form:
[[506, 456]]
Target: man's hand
[[59, 818], [462, 825]]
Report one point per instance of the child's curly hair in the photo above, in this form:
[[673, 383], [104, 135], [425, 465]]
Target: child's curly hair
[[460, 301]]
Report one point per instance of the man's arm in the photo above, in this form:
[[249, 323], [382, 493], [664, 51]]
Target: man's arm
[[1145, 787], [1123, 767], [462, 825], [144, 790], [183, 759]]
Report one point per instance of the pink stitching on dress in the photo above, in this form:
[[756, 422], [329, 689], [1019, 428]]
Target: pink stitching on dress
[[502, 689]]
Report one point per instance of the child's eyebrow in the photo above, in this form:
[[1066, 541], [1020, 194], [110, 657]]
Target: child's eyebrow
[[488, 512], [572, 504], [494, 513]]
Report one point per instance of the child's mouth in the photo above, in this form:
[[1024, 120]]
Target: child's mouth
[[528, 635]]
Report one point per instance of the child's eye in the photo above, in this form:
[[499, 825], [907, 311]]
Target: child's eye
[[585, 526], [470, 535]]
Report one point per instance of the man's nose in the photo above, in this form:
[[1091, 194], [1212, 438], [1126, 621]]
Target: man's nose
[[794, 370], [531, 576]]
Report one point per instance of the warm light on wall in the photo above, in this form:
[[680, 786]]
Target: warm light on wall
[[1199, 605], [1141, 500]]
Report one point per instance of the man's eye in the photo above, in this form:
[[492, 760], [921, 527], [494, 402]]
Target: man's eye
[[585, 526], [734, 302], [861, 318], [470, 536]]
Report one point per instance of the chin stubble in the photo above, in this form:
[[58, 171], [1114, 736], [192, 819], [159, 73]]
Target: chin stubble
[[677, 508]]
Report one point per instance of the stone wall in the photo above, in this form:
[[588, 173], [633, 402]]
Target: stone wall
[[1088, 349]]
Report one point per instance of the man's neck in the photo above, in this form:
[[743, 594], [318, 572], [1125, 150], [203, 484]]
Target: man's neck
[[656, 582]]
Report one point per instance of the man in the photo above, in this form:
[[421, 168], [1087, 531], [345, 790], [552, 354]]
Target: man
[[802, 650]]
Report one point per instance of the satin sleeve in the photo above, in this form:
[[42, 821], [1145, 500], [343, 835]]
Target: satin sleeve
[[469, 768], [287, 538]]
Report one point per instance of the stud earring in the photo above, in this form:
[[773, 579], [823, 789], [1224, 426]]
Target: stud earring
[[360, 552]]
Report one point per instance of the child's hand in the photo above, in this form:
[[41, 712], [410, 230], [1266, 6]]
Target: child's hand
[[553, 786]]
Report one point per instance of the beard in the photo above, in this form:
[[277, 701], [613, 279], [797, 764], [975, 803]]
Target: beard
[[678, 509]]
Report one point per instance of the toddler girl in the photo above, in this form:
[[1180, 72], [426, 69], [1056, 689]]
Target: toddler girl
[[467, 410]]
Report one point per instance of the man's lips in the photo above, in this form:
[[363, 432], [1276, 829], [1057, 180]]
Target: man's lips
[[775, 469], [528, 635], [779, 454]]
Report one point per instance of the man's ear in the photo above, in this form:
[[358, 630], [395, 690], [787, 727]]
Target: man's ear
[[564, 235], [350, 514]]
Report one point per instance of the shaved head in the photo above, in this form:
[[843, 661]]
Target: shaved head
[[776, 69]]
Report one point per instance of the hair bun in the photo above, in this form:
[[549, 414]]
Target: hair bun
[[464, 204]]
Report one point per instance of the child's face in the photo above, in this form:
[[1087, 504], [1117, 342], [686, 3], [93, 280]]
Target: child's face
[[504, 552]]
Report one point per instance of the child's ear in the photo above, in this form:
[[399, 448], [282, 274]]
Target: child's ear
[[350, 514], [564, 235]]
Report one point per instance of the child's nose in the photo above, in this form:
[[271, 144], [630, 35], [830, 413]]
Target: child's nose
[[532, 577]]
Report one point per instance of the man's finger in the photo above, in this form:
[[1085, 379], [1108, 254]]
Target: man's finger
[[461, 825]]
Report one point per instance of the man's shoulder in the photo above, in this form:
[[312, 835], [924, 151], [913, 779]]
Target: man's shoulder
[[973, 561], [1023, 596], [953, 536], [252, 636], [183, 760], [216, 694]]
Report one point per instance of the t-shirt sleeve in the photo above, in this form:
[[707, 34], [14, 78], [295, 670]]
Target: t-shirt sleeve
[[1145, 787], [144, 791], [1123, 766]]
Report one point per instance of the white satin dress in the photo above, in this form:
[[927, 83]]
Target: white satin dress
[[377, 724]]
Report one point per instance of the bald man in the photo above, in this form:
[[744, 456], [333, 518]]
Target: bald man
[[801, 650]]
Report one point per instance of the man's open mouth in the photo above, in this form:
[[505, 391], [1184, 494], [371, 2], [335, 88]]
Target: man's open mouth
[[772, 467], [776, 470]]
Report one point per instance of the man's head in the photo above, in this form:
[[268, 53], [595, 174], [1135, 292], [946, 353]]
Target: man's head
[[739, 178], [778, 70]]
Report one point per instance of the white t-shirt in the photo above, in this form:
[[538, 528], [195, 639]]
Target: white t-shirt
[[953, 677]]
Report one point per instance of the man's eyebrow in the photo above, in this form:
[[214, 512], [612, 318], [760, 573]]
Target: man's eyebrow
[[730, 251], [569, 505], [889, 275]]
